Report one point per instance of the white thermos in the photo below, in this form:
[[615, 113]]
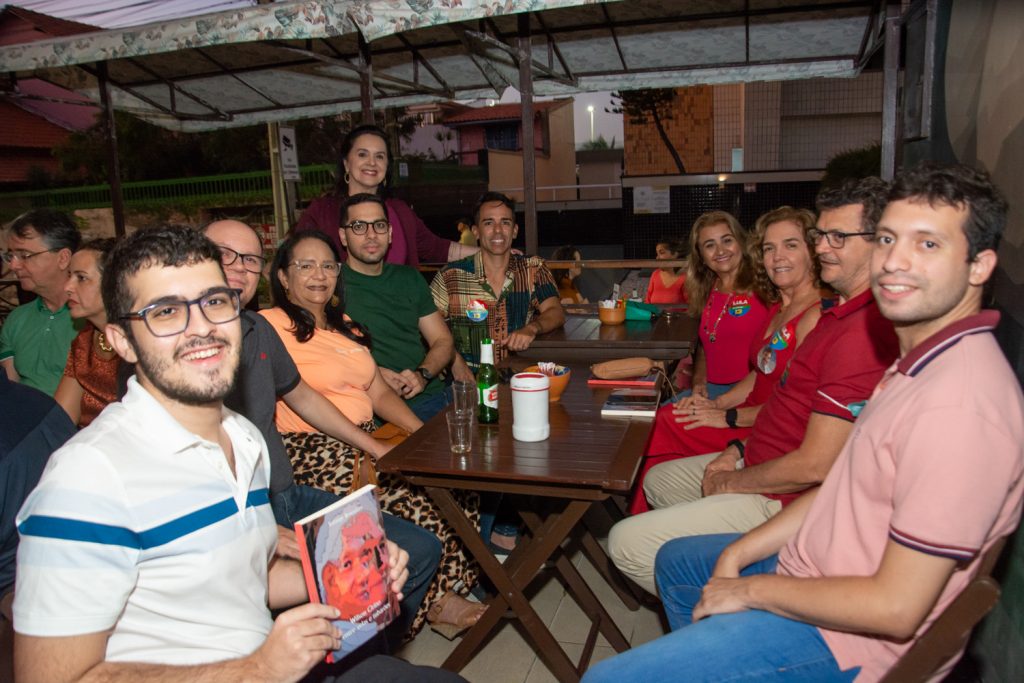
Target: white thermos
[[530, 406]]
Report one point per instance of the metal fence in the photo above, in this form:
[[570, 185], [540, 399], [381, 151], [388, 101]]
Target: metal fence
[[221, 190]]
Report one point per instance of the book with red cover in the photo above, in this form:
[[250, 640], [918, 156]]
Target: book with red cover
[[345, 563], [647, 381]]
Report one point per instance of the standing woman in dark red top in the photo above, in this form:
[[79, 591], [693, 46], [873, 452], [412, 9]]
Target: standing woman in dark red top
[[363, 167]]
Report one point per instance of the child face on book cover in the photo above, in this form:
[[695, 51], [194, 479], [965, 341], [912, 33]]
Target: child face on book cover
[[355, 581]]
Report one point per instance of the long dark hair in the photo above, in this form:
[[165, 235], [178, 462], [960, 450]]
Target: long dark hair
[[304, 322], [340, 186]]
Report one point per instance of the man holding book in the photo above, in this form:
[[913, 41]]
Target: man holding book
[[148, 547]]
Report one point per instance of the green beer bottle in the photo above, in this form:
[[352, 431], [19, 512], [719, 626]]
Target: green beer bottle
[[487, 385]]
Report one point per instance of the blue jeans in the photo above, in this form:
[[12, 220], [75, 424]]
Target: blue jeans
[[714, 391], [423, 547], [752, 645]]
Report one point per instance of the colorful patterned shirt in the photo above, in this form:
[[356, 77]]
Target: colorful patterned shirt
[[472, 309]]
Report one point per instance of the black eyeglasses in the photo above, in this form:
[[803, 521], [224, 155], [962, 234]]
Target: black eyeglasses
[[9, 256], [360, 227], [171, 316], [251, 262], [836, 238]]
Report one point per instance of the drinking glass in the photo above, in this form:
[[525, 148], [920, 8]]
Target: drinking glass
[[460, 431]]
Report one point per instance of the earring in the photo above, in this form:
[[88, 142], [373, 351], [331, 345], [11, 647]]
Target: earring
[[335, 300], [348, 178]]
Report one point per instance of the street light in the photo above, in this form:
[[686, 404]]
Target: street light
[[590, 110]]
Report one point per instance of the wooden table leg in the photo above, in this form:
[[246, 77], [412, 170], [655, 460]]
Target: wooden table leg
[[580, 591], [526, 561]]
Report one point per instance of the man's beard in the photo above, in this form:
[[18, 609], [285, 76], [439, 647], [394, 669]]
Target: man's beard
[[215, 389]]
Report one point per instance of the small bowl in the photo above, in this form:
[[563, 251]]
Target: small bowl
[[612, 316], [558, 382]]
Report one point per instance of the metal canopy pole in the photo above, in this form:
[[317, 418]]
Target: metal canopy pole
[[366, 79], [890, 89], [529, 152], [113, 162]]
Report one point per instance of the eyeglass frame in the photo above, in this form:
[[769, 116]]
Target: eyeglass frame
[[9, 256], [239, 255], [831, 235], [362, 227], [143, 313], [314, 265]]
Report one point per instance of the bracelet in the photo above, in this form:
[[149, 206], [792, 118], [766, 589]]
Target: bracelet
[[739, 446], [730, 417]]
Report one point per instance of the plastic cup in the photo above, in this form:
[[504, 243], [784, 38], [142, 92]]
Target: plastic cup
[[460, 431]]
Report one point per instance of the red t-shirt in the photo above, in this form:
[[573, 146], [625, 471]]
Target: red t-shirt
[[658, 293], [833, 373], [733, 320]]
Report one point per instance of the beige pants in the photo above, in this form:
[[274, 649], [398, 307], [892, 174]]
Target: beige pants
[[673, 489]]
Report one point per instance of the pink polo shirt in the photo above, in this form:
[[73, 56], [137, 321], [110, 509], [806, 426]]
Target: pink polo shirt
[[833, 373], [934, 463]]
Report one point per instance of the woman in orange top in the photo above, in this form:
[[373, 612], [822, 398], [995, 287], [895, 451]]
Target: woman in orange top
[[333, 356]]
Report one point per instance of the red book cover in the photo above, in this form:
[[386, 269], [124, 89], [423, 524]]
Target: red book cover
[[345, 563]]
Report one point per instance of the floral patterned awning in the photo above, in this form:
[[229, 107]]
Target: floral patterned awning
[[291, 60]]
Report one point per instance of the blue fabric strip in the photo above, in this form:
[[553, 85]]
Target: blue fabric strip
[[91, 532]]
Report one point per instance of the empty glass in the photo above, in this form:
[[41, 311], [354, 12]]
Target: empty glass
[[460, 431], [464, 395]]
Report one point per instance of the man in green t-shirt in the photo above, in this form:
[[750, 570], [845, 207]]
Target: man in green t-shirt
[[408, 337], [36, 337]]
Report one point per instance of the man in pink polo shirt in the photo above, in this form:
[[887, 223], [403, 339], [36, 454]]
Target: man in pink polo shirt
[[802, 427], [930, 478]]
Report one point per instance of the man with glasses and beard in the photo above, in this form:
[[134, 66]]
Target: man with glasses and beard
[[148, 547], [411, 342]]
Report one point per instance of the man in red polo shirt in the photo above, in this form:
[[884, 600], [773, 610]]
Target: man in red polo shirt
[[802, 427]]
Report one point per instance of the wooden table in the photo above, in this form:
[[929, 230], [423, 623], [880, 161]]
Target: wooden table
[[586, 459], [584, 338]]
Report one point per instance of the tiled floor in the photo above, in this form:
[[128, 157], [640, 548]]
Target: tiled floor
[[509, 658]]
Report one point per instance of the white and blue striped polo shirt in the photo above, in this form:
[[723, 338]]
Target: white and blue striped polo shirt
[[139, 526]]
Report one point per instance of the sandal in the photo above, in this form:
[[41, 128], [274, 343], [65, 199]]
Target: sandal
[[453, 614]]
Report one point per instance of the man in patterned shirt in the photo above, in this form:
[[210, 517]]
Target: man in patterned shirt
[[508, 297]]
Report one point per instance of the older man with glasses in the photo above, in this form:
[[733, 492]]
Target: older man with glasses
[[801, 429], [36, 337]]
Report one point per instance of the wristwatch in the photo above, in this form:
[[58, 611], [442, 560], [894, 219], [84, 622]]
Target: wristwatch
[[730, 417], [425, 374]]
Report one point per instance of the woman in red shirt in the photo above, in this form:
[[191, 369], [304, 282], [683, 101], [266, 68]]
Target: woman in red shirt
[[667, 285]]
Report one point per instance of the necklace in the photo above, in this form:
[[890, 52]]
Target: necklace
[[101, 340], [713, 332]]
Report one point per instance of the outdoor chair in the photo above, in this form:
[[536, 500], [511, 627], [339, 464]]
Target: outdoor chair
[[949, 633]]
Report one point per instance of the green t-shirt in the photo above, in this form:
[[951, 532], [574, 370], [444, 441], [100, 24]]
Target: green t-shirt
[[39, 340], [390, 306]]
